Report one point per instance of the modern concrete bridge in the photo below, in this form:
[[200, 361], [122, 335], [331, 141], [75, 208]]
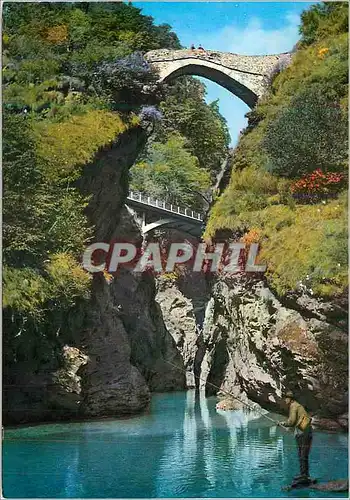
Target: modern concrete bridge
[[156, 213], [247, 77]]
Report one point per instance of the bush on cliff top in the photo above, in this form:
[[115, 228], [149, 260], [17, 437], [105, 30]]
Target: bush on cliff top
[[64, 146], [309, 134]]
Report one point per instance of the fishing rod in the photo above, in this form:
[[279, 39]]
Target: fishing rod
[[232, 396]]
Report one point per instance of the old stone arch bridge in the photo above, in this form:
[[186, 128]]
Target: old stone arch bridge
[[247, 77]]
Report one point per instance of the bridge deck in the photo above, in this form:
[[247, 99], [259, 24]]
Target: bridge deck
[[166, 208]]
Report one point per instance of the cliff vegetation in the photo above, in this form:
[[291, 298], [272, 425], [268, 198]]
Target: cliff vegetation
[[287, 190]]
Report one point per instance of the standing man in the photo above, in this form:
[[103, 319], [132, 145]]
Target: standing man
[[301, 421]]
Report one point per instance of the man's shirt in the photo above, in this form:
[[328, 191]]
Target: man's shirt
[[296, 414]]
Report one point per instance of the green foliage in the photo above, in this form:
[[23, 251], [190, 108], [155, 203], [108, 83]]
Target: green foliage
[[38, 216], [299, 128], [171, 173], [311, 249], [44, 234], [60, 284], [72, 25], [25, 290], [310, 133], [201, 137], [324, 63], [48, 42], [322, 20], [185, 111], [249, 191], [63, 146]]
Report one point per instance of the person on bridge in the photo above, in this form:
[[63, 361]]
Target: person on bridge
[[193, 47], [301, 421], [200, 47]]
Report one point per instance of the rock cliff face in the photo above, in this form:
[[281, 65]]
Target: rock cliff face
[[124, 351], [130, 351], [256, 347], [236, 336], [50, 392], [183, 307]]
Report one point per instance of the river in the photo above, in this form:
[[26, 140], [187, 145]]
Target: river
[[182, 447]]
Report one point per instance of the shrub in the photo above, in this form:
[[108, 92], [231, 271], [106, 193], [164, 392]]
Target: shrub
[[317, 186], [250, 189], [25, 290], [65, 145], [127, 81], [308, 134], [67, 279]]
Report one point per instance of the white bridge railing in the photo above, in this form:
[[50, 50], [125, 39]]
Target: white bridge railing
[[168, 207]]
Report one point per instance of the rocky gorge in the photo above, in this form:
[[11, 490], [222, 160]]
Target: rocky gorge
[[143, 335]]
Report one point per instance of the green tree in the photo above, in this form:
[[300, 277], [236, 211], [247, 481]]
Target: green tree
[[322, 20], [171, 173], [186, 112], [60, 43]]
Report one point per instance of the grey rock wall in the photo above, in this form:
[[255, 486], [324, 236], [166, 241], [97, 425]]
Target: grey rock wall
[[256, 347], [123, 351]]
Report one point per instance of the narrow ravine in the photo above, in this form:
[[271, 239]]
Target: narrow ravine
[[175, 270]]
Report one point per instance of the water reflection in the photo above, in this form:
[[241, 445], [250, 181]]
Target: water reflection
[[214, 450]]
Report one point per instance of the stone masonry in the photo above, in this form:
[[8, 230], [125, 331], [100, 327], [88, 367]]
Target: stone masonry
[[247, 77]]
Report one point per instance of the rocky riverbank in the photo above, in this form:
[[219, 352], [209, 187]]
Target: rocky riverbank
[[255, 345]]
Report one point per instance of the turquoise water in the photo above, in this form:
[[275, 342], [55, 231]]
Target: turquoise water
[[182, 448]]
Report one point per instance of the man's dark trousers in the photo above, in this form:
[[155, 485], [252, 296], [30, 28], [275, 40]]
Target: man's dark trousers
[[304, 441]]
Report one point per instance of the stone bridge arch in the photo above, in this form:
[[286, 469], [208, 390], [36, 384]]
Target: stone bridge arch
[[247, 77]]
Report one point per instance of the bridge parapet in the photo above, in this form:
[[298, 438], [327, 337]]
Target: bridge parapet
[[138, 197], [256, 65]]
